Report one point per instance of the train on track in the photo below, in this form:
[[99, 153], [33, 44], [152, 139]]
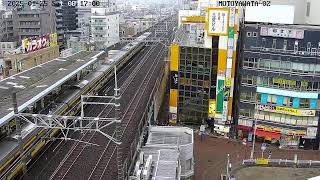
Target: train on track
[[35, 139]]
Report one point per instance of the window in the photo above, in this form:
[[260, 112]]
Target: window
[[274, 43], [188, 164], [248, 34], [304, 103], [285, 43], [263, 42], [308, 9], [286, 101], [254, 34]]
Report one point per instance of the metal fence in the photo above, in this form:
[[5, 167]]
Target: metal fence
[[281, 162]]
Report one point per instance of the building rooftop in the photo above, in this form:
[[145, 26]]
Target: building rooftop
[[33, 84], [164, 143], [297, 26], [170, 136], [187, 38]]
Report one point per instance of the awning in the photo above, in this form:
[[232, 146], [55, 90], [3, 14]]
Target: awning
[[268, 134], [243, 128]]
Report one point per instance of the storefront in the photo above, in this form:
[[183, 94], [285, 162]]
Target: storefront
[[244, 132], [285, 138]]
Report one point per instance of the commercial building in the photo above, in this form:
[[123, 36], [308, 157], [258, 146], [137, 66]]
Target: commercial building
[[30, 55], [280, 79], [66, 20], [203, 66]]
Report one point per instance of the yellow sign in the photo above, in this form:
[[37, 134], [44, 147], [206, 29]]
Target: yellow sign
[[281, 130], [228, 82], [262, 161], [53, 39], [212, 108], [217, 21], [193, 19], [287, 110], [288, 82]]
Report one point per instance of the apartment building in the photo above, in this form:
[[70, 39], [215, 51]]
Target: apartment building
[[105, 25], [33, 22]]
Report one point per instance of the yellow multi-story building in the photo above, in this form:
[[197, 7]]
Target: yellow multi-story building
[[203, 63]]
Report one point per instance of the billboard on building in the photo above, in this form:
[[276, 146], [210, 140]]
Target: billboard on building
[[37, 43], [193, 19], [220, 96], [212, 108], [217, 21], [282, 14], [287, 110]]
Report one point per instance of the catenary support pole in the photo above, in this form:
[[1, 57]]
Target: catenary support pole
[[19, 130], [118, 126]]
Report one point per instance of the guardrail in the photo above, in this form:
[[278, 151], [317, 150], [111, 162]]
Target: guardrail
[[280, 162]]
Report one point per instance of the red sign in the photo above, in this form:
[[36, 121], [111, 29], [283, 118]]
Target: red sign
[[30, 45]]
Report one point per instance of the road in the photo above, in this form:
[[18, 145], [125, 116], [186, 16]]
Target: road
[[211, 156]]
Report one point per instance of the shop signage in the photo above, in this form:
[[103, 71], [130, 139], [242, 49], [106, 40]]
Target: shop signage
[[193, 19], [37, 43], [174, 80], [282, 130], [173, 119], [212, 108], [287, 110], [262, 161], [291, 83], [220, 96], [217, 22]]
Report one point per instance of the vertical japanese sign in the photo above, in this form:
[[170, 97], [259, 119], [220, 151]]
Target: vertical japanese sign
[[220, 96], [174, 66], [217, 21]]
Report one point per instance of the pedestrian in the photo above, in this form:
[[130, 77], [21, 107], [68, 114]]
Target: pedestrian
[[269, 157], [202, 132]]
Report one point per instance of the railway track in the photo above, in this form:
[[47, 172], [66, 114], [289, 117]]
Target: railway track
[[98, 167], [58, 147], [73, 156]]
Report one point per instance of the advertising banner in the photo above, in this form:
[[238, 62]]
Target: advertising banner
[[37, 43], [220, 96], [174, 80], [217, 22], [212, 108], [282, 130], [287, 110]]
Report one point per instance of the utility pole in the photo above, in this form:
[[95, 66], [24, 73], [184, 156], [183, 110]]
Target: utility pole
[[228, 162], [118, 126], [18, 130], [254, 132]]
